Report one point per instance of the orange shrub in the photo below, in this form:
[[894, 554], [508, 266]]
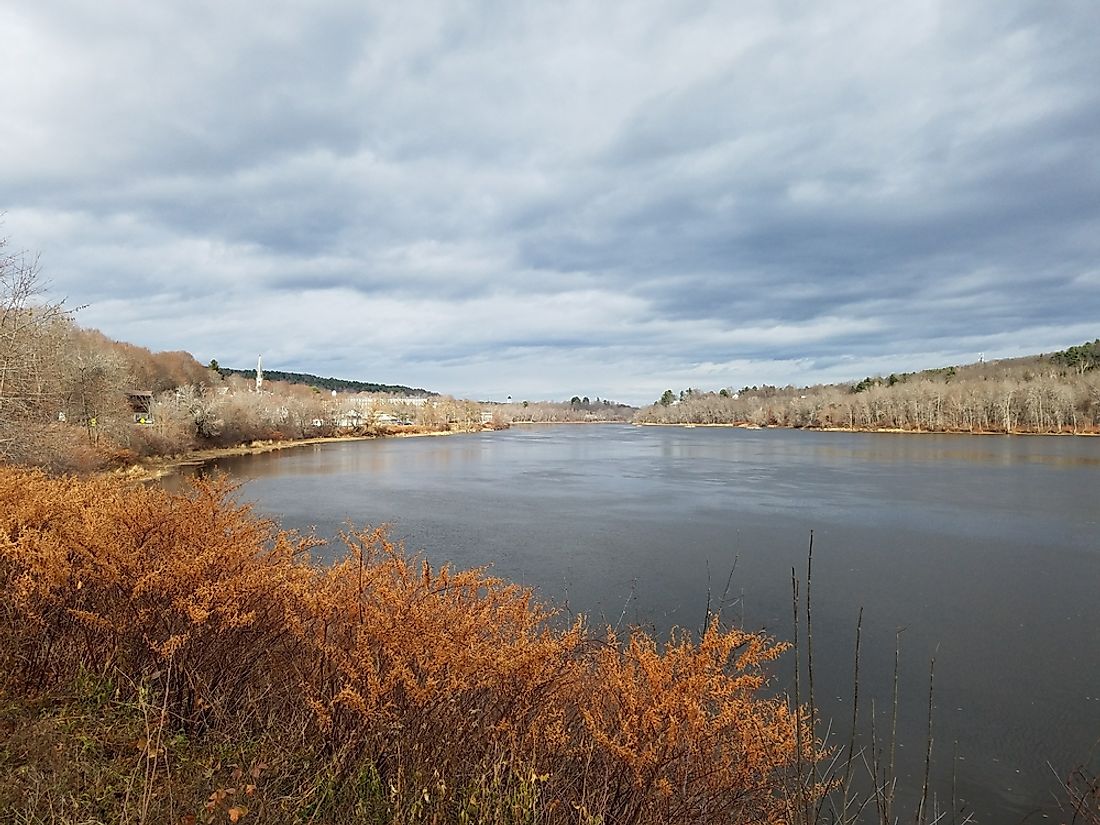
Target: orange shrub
[[452, 690]]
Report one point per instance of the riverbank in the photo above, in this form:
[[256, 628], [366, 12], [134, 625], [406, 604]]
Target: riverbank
[[156, 467], [560, 423], [869, 430]]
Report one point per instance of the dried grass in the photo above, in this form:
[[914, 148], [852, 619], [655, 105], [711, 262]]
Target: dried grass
[[374, 689]]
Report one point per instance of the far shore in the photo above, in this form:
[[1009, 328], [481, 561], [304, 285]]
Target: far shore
[[888, 430], [559, 423], [156, 467]]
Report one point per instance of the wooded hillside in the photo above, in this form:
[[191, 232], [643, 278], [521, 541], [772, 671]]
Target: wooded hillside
[[338, 384], [1055, 393]]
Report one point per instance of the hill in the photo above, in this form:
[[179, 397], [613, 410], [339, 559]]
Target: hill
[[339, 384], [1050, 393]]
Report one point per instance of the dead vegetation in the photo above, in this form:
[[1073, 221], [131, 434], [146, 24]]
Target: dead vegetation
[[176, 659]]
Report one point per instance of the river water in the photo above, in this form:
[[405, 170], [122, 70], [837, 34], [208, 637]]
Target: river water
[[982, 552]]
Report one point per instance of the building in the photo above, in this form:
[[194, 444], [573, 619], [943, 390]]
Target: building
[[141, 406]]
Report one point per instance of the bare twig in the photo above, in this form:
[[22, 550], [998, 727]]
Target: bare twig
[[798, 732], [928, 751], [855, 718]]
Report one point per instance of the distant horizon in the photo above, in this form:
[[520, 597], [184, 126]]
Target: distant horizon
[[516, 400]]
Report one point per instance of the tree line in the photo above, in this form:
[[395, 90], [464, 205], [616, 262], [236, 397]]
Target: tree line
[[339, 384], [1056, 393], [575, 411]]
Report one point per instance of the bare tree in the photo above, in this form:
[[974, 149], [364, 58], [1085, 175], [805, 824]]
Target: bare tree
[[32, 334], [96, 379]]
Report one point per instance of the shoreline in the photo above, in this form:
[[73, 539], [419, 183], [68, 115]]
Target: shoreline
[[559, 423], [154, 468], [867, 430], [157, 467]]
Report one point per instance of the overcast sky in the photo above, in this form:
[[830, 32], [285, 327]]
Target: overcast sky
[[554, 198]]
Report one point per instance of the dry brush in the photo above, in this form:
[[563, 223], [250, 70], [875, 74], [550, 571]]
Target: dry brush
[[373, 689]]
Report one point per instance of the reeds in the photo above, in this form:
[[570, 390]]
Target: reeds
[[376, 689], [832, 787]]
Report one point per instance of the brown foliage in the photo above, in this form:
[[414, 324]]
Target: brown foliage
[[152, 371], [431, 695]]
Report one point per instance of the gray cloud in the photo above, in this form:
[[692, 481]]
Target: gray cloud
[[537, 200]]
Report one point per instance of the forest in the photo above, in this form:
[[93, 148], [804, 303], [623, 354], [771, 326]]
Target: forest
[[1051, 393]]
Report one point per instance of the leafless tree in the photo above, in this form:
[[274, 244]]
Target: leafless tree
[[1033, 395], [32, 335]]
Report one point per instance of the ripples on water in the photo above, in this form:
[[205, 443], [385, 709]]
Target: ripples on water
[[986, 549]]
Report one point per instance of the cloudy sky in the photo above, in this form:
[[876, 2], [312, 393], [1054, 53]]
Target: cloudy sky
[[542, 199]]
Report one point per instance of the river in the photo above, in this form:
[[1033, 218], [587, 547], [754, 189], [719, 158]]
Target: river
[[980, 551]]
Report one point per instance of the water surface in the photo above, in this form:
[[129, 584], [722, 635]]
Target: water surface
[[983, 551]]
